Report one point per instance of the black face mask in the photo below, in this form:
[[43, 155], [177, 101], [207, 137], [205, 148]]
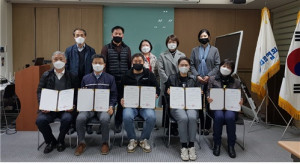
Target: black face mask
[[203, 40], [117, 39], [137, 67]]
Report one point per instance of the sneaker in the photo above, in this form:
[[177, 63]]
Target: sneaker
[[184, 154], [80, 149], [192, 153], [104, 149], [145, 146], [131, 146]]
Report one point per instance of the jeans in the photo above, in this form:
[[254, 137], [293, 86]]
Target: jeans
[[128, 120], [224, 117]]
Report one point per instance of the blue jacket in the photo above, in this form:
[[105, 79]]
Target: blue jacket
[[105, 81], [73, 59]]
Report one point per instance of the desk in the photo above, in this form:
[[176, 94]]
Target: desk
[[293, 147]]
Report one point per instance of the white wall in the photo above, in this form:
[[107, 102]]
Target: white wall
[[6, 39]]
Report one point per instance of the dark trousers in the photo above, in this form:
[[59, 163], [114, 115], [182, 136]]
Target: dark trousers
[[228, 118], [119, 113], [44, 119]]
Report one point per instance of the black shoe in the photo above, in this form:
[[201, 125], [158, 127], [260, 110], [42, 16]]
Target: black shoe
[[49, 147], [89, 129], [118, 128], [231, 152], [71, 131], [216, 150], [99, 130], [61, 147], [206, 132]]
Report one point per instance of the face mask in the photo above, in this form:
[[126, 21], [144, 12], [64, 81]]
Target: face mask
[[172, 46], [98, 67], [58, 64], [203, 40], [225, 71], [145, 49], [137, 67], [184, 69], [117, 39], [79, 40]]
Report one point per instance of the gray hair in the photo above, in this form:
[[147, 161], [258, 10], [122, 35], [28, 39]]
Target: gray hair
[[59, 52]]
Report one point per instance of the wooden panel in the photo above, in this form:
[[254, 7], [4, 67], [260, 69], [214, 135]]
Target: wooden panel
[[92, 22], [23, 36], [249, 22], [69, 18], [46, 32]]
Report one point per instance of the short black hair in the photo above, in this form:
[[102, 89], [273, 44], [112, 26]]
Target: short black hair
[[145, 40], [137, 55], [95, 56], [80, 29], [229, 62], [116, 28], [202, 31], [173, 38], [184, 58]]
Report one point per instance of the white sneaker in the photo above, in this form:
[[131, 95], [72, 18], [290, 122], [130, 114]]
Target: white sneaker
[[145, 146], [184, 154], [192, 153], [131, 146]]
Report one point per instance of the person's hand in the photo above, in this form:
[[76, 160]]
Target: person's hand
[[156, 96], [70, 110], [201, 80], [122, 102], [45, 111], [241, 102], [110, 110], [168, 91], [209, 100], [205, 79]]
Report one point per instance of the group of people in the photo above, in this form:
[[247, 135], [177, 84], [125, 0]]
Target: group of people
[[80, 67]]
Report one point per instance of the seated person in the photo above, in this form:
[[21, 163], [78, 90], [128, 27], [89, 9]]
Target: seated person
[[138, 76], [97, 80], [57, 79], [223, 79], [186, 119]]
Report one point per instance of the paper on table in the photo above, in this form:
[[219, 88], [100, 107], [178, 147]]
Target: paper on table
[[65, 99], [177, 98], [193, 98], [102, 99], [232, 99], [85, 100], [131, 96], [217, 94], [148, 97], [48, 99]]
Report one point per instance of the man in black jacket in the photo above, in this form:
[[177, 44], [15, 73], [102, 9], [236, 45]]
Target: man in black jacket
[[57, 79], [138, 76]]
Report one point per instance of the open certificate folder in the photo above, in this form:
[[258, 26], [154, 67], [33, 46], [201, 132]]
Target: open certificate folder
[[227, 99], [54, 100], [93, 100], [185, 98], [139, 96]]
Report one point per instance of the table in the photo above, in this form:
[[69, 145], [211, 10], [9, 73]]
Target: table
[[293, 147]]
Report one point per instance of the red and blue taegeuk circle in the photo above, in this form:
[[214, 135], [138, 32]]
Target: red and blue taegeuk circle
[[293, 62]]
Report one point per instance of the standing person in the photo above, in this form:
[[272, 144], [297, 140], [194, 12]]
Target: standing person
[[167, 65], [205, 61], [57, 79], [118, 56], [186, 119], [97, 80], [138, 76], [79, 60], [223, 79]]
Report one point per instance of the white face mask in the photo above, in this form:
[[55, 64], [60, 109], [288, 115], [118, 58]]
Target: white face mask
[[145, 49], [58, 64], [184, 69], [172, 46], [79, 40], [98, 67], [225, 71]]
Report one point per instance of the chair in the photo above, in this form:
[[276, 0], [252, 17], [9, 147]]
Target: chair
[[56, 121], [173, 121]]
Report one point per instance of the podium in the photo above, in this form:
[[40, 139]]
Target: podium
[[26, 82]]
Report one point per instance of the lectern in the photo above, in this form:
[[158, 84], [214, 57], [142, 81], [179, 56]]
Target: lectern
[[27, 81]]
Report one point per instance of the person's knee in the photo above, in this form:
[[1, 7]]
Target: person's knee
[[67, 118], [230, 119], [151, 118], [127, 115], [40, 121], [104, 120]]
